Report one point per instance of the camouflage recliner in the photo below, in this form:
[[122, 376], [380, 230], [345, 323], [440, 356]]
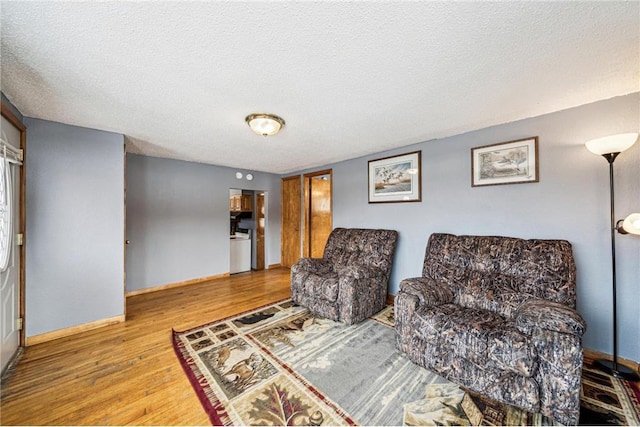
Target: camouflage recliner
[[349, 283], [497, 315]]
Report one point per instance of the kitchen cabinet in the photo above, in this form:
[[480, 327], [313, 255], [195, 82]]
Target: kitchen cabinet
[[241, 203], [246, 203], [234, 203]]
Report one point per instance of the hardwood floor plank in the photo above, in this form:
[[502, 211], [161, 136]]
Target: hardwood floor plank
[[128, 373]]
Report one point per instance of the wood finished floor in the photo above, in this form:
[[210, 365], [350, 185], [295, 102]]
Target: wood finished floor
[[128, 373]]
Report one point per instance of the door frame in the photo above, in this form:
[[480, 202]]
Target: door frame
[[308, 226], [260, 195], [125, 241], [15, 121]]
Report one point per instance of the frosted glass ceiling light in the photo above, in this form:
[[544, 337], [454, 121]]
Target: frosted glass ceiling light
[[264, 124]]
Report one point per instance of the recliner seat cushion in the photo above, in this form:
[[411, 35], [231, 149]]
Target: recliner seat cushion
[[492, 292], [479, 336]]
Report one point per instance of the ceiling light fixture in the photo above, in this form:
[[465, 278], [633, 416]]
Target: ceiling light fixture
[[264, 124]]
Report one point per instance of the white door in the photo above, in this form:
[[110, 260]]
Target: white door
[[9, 249]]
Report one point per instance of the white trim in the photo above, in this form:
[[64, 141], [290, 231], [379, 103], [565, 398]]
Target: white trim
[[9, 152]]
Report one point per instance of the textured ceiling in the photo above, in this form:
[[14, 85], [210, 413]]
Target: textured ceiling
[[349, 78]]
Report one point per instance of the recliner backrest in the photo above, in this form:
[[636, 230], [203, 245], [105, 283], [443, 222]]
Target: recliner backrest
[[542, 268], [359, 246]]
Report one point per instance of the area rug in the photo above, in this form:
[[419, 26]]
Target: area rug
[[280, 365], [606, 400]]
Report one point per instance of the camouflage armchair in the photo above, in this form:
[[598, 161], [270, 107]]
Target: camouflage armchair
[[497, 315], [350, 282]]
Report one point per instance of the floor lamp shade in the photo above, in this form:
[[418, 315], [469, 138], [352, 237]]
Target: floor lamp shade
[[612, 144], [609, 147]]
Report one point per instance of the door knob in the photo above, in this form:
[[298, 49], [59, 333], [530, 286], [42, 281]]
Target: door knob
[[127, 242]]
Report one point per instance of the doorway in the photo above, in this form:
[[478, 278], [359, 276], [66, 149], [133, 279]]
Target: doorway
[[318, 212], [248, 219], [12, 219]]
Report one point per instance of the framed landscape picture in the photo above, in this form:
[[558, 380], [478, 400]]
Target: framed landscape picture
[[395, 179], [511, 162]]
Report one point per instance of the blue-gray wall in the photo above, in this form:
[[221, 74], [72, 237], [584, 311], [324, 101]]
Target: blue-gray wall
[[75, 226], [12, 107], [178, 219], [74, 214], [571, 202]]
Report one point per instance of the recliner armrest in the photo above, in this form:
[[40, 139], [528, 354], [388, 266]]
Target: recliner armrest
[[550, 316], [313, 265], [429, 292]]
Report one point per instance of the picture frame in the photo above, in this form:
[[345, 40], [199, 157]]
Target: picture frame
[[396, 179], [510, 162]]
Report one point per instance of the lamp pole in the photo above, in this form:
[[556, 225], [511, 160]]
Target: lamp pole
[[608, 366]]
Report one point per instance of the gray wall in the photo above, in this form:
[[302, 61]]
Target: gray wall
[[75, 226], [571, 202], [178, 219], [12, 107]]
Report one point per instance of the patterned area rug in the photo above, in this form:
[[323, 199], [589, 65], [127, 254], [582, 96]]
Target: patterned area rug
[[605, 400], [280, 365]]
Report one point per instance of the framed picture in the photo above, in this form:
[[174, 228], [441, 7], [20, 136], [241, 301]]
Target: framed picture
[[395, 179], [511, 162]]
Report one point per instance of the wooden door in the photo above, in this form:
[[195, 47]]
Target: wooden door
[[260, 231], [318, 215], [290, 226], [11, 239]]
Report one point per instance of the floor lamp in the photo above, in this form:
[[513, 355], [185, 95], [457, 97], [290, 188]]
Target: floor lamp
[[609, 147]]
